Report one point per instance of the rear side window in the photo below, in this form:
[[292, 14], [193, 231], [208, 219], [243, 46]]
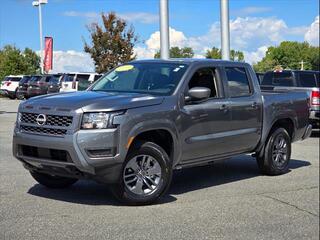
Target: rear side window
[[308, 79], [284, 79], [14, 79], [82, 77], [68, 77], [238, 82]]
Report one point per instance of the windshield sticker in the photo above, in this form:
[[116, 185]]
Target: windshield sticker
[[124, 68]]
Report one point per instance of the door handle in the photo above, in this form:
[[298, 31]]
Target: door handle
[[224, 108], [254, 105]]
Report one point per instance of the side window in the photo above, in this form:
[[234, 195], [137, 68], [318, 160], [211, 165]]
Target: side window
[[238, 82], [205, 77], [82, 77], [307, 80], [96, 77]]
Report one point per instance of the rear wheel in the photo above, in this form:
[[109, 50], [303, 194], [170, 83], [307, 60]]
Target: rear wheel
[[146, 175], [277, 153], [52, 181]]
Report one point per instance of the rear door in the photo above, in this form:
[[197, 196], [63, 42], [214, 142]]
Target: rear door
[[246, 109]]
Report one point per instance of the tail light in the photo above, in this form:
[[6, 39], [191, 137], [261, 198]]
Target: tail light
[[315, 97]]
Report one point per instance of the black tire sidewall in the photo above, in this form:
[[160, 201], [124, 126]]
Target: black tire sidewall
[[272, 168], [152, 149], [52, 181]]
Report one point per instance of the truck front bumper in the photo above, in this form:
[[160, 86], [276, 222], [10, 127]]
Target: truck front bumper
[[84, 154]]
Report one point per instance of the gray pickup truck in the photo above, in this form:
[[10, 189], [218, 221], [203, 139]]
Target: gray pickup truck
[[144, 119]]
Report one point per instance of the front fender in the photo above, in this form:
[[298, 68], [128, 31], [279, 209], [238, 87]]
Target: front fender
[[159, 124]]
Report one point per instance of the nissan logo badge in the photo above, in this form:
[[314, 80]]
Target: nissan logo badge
[[41, 119]]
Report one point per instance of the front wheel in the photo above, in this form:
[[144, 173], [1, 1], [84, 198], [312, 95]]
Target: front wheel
[[277, 153], [52, 181], [145, 176]]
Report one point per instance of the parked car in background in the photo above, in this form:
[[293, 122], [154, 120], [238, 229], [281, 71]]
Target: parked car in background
[[259, 76], [23, 86], [70, 81], [39, 84], [84, 82], [55, 84], [9, 86], [295, 80]]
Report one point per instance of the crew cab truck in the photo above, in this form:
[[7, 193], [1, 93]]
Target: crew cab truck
[[144, 119]]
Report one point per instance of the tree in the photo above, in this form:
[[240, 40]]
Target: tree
[[14, 62], [32, 61], [289, 55], [112, 43], [176, 52], [215, 53]]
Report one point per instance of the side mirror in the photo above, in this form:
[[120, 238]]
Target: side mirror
[[198, 93]]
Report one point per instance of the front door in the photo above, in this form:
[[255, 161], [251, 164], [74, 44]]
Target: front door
[[205, 123]]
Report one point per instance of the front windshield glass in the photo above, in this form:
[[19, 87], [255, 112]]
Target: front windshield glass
[[35, 79], [152, 78]]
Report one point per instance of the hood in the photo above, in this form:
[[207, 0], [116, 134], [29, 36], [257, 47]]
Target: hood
[[95, 101]]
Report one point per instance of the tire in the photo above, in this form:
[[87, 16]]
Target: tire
[[14, 95], [145, 176], [277, 153], [52, 181]]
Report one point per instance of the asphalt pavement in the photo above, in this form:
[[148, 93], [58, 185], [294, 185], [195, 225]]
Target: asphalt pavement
[[226, 200]]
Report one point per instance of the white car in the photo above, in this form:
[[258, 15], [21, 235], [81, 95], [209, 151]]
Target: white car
[[9, 85], [77, 81]]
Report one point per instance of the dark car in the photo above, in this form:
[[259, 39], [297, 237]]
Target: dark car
[[39, 86], [55, 84], [23, 86]]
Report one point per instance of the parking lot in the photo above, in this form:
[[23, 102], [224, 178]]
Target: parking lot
[[226, 200]]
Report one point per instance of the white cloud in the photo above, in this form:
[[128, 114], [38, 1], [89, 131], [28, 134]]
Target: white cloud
[[250, 10], [312, 34], [142, 17], [255, 56], [89, 15], [72, 61], [250, 35]]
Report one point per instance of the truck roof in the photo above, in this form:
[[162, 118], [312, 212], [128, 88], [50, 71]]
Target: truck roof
[[189, 61]]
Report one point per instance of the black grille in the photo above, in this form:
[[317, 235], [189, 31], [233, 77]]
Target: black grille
[[46, 153], [51, 120], [42, 130]]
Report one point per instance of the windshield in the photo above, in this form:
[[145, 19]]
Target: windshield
[[25, 79], [152, 78], [35, 79]]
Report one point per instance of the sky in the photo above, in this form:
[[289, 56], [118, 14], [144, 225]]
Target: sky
[[254, 26]]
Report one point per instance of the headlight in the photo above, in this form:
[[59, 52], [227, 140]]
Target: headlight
[[99, 120]]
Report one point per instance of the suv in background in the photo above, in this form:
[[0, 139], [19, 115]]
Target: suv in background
[[70, 81], [39, 84], [23, 86], [9, 86], [55, 84], [295, 80]]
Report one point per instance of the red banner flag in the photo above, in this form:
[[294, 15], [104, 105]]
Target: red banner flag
[[48, 54]]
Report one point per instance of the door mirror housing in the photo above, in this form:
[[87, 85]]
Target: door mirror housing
[[198, 94]]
